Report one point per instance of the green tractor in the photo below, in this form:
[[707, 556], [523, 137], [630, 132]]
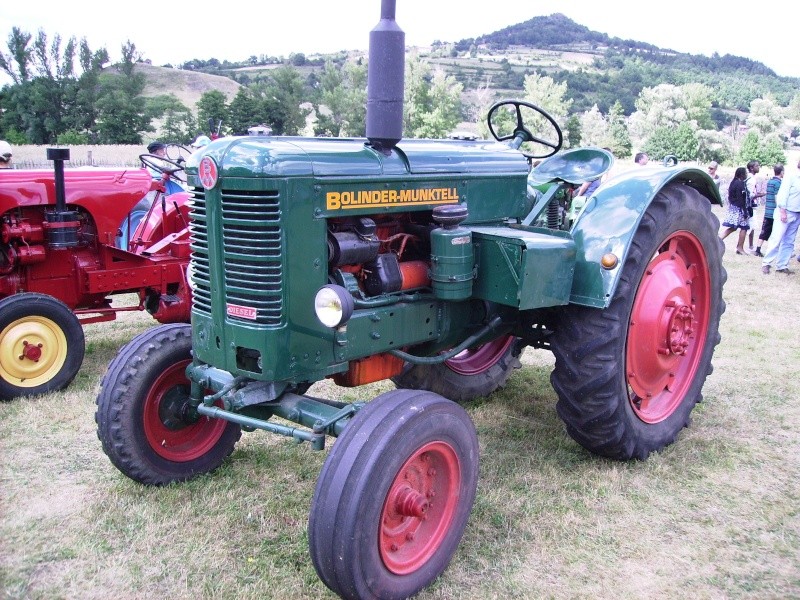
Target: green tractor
[[433, 264]]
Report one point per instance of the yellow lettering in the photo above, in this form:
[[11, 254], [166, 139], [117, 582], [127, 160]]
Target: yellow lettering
[[357, 198], [332, 200]]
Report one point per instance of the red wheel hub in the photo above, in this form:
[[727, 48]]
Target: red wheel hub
[[419, 508], [667, 329], [477, 360], [31, 351], [173, 431]]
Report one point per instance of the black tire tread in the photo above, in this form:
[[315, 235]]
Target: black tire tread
[[589, 344], [337, 496], [442, 380], [118, 389]]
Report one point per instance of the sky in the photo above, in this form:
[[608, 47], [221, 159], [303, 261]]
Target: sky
[[175, 32]]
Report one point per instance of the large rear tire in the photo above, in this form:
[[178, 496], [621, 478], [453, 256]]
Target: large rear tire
[[41, 345], [628, 377], [394, 496], [471, 374], [144, 419]]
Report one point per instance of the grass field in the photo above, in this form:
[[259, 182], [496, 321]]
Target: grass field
[[714, 516]]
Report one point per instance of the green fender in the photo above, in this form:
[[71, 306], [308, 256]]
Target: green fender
[[610, 219]]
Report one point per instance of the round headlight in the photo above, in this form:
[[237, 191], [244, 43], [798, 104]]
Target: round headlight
[[333, 305]]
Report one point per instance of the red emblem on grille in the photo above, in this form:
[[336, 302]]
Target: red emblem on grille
[[208, 173]]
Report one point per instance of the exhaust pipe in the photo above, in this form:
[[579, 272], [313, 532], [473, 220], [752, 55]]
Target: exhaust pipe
[[387, 53]]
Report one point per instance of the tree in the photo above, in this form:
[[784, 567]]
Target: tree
[[679, 141], [620, 140], [715, 145], [432, 101], [697, 99], [177, 122], [341, 110], [280, 101], [658, 107], [212, 109], [243, 112], [18, 62], [766, 151], [545, 93], [765, 117], [572, 131], [122, 116], [594, 128]]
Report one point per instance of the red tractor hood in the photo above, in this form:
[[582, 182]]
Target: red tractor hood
[[107, 194]]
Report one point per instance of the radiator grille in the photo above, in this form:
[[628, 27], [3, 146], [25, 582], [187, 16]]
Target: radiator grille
[[252, 254]]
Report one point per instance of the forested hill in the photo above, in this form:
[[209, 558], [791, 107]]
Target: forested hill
[[614, 69], [558, 31]]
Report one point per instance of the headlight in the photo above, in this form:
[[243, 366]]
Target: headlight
[[333, 305]]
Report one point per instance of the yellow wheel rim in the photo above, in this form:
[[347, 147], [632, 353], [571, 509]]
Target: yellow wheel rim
[[32, 351]]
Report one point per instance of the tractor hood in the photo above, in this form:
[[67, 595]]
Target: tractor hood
[[341, 157]]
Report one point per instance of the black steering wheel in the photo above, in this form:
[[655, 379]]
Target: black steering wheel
[[161, 164], [521, 133]]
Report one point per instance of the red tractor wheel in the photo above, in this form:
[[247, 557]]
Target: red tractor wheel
[[471, 374], [41, 345], [394, 496], [628, 377], [145, 420]]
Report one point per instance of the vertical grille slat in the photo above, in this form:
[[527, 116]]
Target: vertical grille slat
[[252, 242]]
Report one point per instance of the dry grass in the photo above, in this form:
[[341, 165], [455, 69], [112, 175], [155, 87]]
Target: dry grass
[[714, 516]]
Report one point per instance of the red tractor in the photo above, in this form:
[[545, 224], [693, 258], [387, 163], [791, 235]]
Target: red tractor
[[69, 240]]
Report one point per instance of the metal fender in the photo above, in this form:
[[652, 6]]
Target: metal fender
[[610, 219]]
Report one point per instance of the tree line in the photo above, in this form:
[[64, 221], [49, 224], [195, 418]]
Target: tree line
[[66, 93]]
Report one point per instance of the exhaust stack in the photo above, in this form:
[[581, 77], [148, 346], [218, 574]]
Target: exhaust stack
[[385, 84]]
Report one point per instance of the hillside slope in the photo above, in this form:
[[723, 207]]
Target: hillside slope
[[187, 86]]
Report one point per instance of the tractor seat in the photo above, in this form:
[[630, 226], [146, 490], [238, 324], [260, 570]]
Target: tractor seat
[[574, 166]]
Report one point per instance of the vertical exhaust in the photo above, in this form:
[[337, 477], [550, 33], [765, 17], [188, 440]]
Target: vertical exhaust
[[387, 53]]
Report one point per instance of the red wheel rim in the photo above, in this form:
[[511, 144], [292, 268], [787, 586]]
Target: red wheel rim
[[178, 441], [667, 329], [419, 508], [477, 360]]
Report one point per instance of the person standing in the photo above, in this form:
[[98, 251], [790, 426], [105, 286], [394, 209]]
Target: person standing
[[755, 191], [5, 155], [737, 216], [641, 159], [769, 207], [712, 172], [784, 229]]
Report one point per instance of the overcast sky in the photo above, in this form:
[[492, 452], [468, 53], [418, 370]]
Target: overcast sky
[[174, 32]]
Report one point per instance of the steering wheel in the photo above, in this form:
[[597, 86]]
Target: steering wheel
[[521, 133], [161, 164]]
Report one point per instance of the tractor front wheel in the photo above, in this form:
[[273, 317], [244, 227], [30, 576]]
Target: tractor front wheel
[[394, 496], [41, 345], [145, 419], [627, 377], [471, 374]]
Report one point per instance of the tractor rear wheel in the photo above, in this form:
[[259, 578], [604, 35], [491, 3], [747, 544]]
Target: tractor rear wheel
[[628, 377], [394, 496], [41, 345], [145, 420], [471, 374]]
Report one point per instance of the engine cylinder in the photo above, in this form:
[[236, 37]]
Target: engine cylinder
[[61, 228]]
